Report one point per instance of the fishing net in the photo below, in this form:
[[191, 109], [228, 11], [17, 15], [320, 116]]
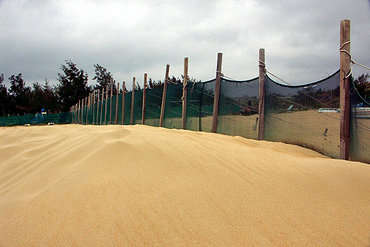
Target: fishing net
[[153, 106], [238, 108], [360, 126], [306, 115], [173, 111], [138, 106], [199, 108]]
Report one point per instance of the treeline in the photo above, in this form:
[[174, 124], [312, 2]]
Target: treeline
[[71, 87]]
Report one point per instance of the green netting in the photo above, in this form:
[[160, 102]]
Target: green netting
[[128, 98], [173, 111], [34, 119], [199, 107], [153, 106], [138, 106], [360, 127], [238, 108], [305, 115]]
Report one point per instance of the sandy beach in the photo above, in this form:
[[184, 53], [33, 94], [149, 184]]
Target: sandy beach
[[75, 185]]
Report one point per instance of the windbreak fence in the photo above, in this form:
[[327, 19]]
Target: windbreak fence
[[307, 115], [36, 119]]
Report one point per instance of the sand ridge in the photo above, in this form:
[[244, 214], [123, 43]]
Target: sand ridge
[[74, 185]]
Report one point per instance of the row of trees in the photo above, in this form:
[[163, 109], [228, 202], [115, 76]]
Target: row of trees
[[72, 86]]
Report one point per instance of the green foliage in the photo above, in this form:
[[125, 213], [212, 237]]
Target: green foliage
[[20, 94], [72, 85]]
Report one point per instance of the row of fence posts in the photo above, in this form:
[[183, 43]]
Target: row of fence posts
[[96, 96]]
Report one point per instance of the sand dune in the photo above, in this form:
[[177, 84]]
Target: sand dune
[[74, 185]]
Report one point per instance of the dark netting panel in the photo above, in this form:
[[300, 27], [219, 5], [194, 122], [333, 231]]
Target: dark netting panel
[[128, 97], [113, 117], [138, 106], [306, 115], [153, 105], [119, 109], [238, 108], [199, 108], [173, 109], [105, 111], [34, 119], [360, 126]]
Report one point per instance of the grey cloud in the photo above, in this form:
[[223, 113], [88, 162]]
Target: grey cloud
[[130, 38]]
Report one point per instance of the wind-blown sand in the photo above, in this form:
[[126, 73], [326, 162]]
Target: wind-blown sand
[[74, 185]]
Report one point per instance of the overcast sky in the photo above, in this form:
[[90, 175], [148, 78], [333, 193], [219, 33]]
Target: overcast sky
[[130, 38]]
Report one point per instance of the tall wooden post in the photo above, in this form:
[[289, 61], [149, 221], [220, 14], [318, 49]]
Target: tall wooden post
[[101, 105], [110, 101], [93, 107], [217, 93], [345, 69], [87, 108], [106, 104], [185, 92], [132, 102], [83, 110], [262, 91], [164, 95], [78, 111], [123, 101], [117, 91], [98, 107], [144, 99]]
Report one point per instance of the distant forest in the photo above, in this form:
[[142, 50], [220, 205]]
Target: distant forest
[[72, 86]]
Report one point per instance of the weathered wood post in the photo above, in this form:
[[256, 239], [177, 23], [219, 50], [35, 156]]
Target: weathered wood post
[[106, 104], [110, 100], [88, 108], [78, 111], [345, 73], [101, 105], [93, 107], [117, 92], [132, 102], [217, 93], [185, 92], [123, 101], [144, 99], [98, 107], [83, 110], [262, 95], [164, 95]]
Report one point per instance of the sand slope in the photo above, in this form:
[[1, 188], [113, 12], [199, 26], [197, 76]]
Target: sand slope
[[77, 185]]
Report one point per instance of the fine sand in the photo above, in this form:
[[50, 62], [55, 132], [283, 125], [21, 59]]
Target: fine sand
[[73, 185]]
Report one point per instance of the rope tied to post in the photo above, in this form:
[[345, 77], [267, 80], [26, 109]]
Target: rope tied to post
[[350, 57]]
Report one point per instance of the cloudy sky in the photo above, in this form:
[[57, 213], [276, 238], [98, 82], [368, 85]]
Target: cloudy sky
[[131, 38]]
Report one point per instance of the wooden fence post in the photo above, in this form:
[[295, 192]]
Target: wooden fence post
[[101, 105], [93, 107], [123, 101], [78, 111], [184, 92], [262, 95], [110, 100], [164, 95], [83, 110], [87, 108], [217, 93], [117, 91], [144, 99], [132, 102], [97, 107], [345, 73], [106, 104]]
